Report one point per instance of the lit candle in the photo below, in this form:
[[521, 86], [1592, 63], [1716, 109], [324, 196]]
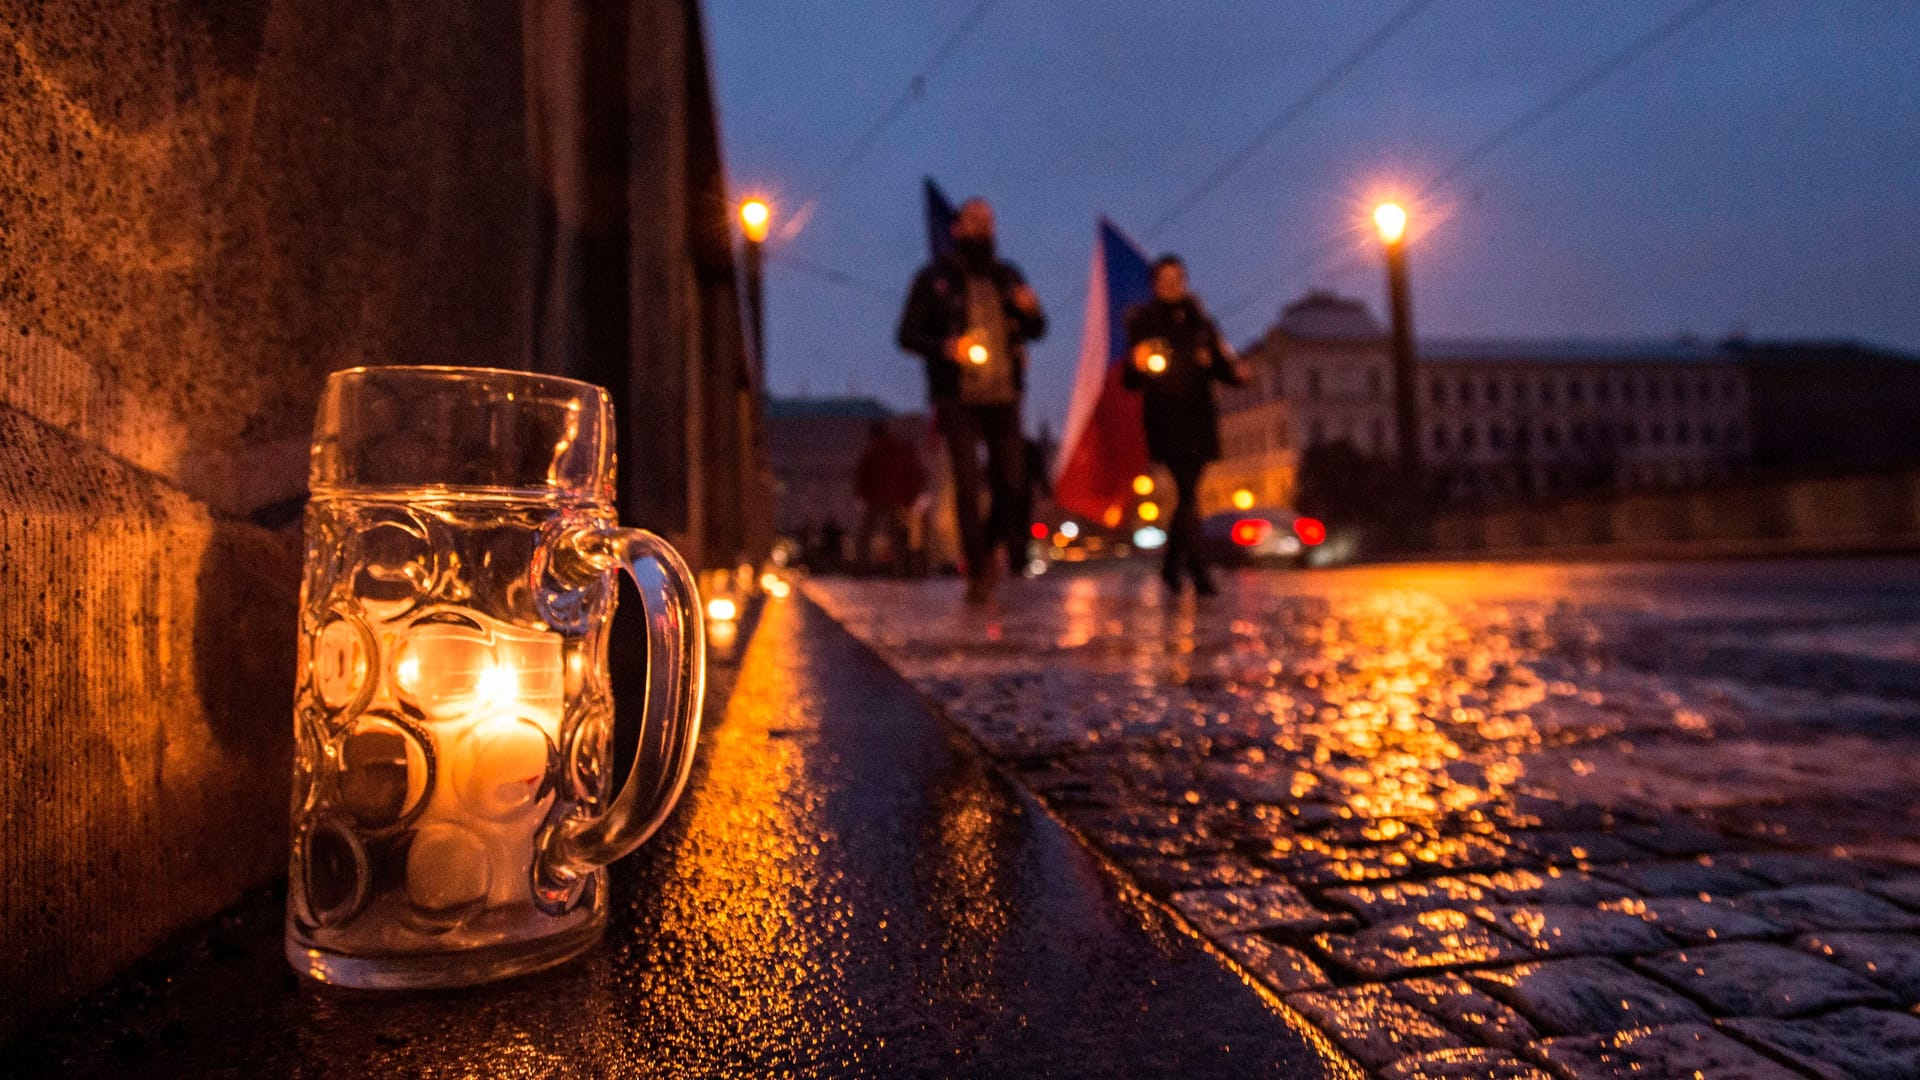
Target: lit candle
[[492, 696]]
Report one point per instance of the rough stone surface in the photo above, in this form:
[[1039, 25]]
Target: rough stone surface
[[1285, 969], [1433, 747], [1891, 960], [1474, 1063], [1684, 878], [1445, 937], [1757, 979], [1682, 1050], [1375, 1025], [1467, 1010], [1830, 907], [1587, 995], [1703, 922], [1853, 1044], [1240, 909], [1566, 930]]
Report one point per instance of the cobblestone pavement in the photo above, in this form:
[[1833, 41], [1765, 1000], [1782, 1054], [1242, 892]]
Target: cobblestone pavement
[[1494, 820]]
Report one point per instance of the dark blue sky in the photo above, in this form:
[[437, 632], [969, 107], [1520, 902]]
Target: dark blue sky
[[1760, 169]]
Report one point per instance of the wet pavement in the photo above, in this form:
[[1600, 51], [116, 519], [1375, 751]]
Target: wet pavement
[[1488, 820], [849, 889]]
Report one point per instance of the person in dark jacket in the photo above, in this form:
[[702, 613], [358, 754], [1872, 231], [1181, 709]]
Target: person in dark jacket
[[969, 316], [1176, 355]]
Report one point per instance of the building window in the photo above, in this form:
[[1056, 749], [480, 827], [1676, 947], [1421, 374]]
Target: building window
[[1439, 437], [1467, 437], [1657, 433], [1493, 392], [1701, 391], [1602, 389], [1576, 390], [1629, 435], [1436, 391], [1653, 390], [1466, 392], [1579, 432], [1550, 435], [1628, 393], [1679, 389], [1497, 436], [1727, 388], [1707, 434], [1522, 436], [1680, 433], [1546, 391]]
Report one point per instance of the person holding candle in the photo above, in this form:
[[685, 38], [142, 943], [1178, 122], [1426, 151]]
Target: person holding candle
[[969, 316], [1177, 354]]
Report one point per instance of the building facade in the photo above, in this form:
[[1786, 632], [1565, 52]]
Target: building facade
[[1498, 418]]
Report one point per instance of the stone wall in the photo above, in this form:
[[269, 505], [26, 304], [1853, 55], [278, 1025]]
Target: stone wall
[[1808, 514], [204, 208]]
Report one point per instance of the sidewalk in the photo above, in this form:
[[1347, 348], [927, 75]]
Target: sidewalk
[[848, 889], [1513, 821]]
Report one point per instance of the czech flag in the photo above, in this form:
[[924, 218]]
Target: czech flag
[[939, 220], [1105, 445]]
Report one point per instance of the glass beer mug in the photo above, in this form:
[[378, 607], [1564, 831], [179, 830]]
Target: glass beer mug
[[452, 811]]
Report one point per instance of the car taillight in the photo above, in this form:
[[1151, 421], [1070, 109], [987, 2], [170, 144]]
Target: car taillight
[[1309, 530], [1250, 531]]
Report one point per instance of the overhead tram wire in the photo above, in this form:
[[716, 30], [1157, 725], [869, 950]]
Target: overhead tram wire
[[829, 274], [1592, 77], [915, 87], [1239, 158]]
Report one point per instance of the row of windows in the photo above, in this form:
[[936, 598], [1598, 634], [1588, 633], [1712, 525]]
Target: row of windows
[[1578, 389], [1584, 435], [1555, 479], [1601, 389]]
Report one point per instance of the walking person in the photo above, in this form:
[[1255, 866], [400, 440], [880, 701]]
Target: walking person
[[1177, 354], [969, 316], [889, 481]]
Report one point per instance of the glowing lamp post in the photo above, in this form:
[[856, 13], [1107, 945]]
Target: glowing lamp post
[[756, 217], [1391, 220]]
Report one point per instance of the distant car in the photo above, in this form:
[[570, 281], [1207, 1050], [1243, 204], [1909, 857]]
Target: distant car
[[1260, 534]]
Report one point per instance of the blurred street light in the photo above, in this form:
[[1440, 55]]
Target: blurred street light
[[1143, 484], [1243, 499], [1149, 511], [1391, 220], [756, 218]]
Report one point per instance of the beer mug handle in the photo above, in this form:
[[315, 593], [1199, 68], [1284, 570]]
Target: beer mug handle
[[670, 724]]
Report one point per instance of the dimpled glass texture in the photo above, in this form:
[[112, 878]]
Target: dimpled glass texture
[[452, 702]]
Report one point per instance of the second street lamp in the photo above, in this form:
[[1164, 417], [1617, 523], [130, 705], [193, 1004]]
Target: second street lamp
[[1391, 220], [756, 217]]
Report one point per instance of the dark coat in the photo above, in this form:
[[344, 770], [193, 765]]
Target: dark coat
[[937, 310], [1177, 404]]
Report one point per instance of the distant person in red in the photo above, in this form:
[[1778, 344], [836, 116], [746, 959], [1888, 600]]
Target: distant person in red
[[889, 481], [1176, 355], [969, 316]]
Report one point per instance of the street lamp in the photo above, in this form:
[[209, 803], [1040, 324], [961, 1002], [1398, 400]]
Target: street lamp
[[756, 217], [1391, 220]]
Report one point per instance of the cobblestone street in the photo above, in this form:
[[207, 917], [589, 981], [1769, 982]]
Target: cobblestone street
[[1495, 820]]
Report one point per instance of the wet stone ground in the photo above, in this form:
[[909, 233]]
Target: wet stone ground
[[1488, 821]]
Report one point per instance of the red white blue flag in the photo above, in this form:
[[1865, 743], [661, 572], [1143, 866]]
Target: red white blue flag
[[1105, 445]]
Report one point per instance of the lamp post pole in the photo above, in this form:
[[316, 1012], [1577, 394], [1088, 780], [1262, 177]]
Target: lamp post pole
[[1391, 220], [755, 218]]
